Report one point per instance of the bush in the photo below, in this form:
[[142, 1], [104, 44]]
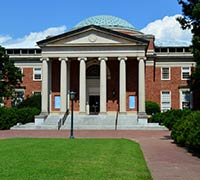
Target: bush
[[186, 131], [33, 101], [8, 117], [169, 118], [26, 115], [11, 116], [152, 107]]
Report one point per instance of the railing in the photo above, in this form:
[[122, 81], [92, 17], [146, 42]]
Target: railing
[[63, 119], [116, 120]]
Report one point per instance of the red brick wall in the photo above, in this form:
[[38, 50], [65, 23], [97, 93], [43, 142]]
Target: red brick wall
[[131, 82], [74, 81], [154, 85], [113, 85], [30, 84]]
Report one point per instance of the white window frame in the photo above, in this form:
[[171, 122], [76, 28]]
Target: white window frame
[[33, 92], [34, 73], [181, 99], [162, 100], [162, 77], [185, 71]]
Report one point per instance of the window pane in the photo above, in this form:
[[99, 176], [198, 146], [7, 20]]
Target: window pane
[[185, 72], [165, 73], [165, 101], [37, 73]]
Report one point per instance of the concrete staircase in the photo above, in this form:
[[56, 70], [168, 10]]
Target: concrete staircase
[[51, 122], [93, 122]]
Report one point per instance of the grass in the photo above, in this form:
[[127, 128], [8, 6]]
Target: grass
[[71, 159]]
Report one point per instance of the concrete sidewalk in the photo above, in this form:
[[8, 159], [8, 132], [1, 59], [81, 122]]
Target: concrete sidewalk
[[165, 159]]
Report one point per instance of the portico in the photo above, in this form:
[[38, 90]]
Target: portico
[[105, 67]]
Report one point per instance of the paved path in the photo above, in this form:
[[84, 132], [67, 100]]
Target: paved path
[[165, 160]]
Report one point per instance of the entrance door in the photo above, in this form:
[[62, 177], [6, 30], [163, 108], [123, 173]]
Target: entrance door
[[94, 102]]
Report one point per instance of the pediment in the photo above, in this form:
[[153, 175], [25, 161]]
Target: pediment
[[90, 36]]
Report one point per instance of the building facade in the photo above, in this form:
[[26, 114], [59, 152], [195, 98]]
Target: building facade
[[110, 65]]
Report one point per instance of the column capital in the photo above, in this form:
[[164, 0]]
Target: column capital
[[142, 58], [82, 59], [122, 58], [44, 59], [63, 59], [102, 58]]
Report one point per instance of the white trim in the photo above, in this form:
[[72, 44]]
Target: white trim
[[186, 72], [38, 73], [161, 100], [180, 97], [39, 91], [163, 79]]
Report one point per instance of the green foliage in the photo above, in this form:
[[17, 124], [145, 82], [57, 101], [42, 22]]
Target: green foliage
[[186, 131], [152, 107], [8, 117], [169, 118], [26, 115], [10, 76], [11, 116], [191, 20], [33, 101], [76, 159]]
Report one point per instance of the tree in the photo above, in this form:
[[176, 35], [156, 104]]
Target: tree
[[191, 20], [10, 76]]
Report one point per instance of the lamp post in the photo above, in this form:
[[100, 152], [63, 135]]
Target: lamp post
[[72, 97]]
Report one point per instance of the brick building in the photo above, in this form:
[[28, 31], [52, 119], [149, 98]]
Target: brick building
[[113, 68]]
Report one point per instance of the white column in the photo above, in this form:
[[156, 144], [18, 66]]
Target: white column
[[63, 84], [103, 84], [141, 87], [82, 85], [122, 84], [45, 90]]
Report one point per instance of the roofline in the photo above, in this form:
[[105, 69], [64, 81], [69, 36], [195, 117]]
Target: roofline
[[40, 43]]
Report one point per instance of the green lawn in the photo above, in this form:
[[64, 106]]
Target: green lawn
[[71, 159]]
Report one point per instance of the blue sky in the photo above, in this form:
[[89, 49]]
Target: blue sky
[[25, 20]]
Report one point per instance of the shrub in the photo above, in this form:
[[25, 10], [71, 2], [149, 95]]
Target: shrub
[[11, 116], [33, 101], [8, 117], [152, 107], [169, 118], [26, 115], [186, 131]]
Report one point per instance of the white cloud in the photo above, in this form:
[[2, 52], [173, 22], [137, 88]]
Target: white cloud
[[168, 32], [4, 38], [29, 41]]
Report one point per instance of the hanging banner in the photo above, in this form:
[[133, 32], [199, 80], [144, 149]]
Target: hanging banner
[[131, 102]]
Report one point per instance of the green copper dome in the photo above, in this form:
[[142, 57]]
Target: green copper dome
[[106, 21]]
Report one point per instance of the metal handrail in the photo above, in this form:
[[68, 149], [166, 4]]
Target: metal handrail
[[63, 119]]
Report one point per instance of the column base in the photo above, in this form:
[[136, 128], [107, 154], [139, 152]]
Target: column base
[[39, 119], [123, 113], [142, 118], [102, 113]]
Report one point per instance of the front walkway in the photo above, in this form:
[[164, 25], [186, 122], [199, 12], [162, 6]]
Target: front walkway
[[165, 160]]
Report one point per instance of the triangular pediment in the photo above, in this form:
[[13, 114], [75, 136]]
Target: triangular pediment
[[91, 36]]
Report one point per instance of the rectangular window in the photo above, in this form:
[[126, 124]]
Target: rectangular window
[[165, 73], [185, 99], [37, 74], [165, 101], [185, 73], [36, 93]]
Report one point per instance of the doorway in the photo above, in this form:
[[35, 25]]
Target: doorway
[[94, 103]]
